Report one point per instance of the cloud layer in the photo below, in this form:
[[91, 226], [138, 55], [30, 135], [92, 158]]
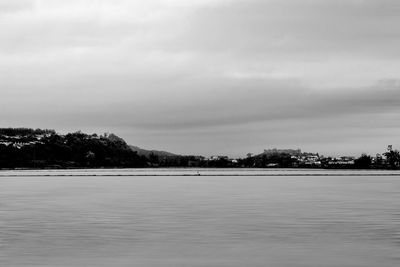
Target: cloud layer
[[206, 77]]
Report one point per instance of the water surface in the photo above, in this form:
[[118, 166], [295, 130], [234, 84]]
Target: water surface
[[200, 221]]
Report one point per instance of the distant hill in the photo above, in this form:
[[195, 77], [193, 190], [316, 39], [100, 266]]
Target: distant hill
[[29, 148], [147, 153], [275, 151], [157, 158]]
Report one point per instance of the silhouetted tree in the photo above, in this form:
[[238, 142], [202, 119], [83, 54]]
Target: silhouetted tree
[[392, 157], [363, 162]]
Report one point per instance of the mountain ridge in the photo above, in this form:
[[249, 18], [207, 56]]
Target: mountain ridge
[[146, 152]]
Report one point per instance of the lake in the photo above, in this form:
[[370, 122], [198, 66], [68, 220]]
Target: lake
[[230, 218]]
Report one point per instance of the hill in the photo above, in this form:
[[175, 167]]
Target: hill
[[147, 153], [28, 148]]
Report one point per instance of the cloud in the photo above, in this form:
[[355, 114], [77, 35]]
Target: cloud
[[207, 71], [11, 6]]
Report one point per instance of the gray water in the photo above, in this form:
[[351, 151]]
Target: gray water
[[200, 221]]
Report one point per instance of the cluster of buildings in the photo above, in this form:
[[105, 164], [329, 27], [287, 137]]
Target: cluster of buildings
[[19, 141], [340, 161], [220, 158], [307, 160], [315, 160], [275, 158], [301, 159]]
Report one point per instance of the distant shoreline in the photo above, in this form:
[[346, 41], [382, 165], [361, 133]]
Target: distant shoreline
[[205, 175], [26, 148], [193, 172]]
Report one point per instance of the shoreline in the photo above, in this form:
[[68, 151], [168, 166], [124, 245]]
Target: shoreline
[[207, 175], [188, 172]]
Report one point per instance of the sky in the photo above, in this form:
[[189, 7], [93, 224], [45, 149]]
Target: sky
[[206, 77]]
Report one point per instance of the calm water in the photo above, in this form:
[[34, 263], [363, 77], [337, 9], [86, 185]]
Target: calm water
[[200, 221]]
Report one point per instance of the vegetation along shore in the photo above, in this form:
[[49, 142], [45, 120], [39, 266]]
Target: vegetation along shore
[[43, 149]]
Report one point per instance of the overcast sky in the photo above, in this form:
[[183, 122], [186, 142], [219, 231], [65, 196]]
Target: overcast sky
[[206, 76]]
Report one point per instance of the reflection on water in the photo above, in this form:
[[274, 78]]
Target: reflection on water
[[200, 221]]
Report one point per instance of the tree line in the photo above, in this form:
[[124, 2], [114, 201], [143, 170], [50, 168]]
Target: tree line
[[27, 148], [36, 148]]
